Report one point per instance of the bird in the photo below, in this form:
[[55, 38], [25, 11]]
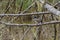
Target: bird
[[37, 19]]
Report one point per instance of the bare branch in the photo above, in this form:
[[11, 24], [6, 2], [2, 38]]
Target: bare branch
[[42, 1], [26, 14], [57, 4], [25, 32], [24, 11], [51, 8], [39, 24], [28, 8]]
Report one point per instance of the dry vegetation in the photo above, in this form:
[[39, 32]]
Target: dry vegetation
[[43, 32]]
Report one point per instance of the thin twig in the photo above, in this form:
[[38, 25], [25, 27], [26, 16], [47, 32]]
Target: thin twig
[[51, 8], [7, 6], [25, 32], [26, 14], [28, 8], [55, 32], [23, 11], [21, 5], [38, 29], [56, 4], [39, 24]]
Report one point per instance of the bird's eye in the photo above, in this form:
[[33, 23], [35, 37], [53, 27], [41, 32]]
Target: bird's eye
[[35, 17]]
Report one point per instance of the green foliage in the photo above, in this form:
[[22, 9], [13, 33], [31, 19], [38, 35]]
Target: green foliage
[[26, 3]]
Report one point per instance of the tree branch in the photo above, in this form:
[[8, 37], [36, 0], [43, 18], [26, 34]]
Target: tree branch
[[39, 24], [26, 14], [50, 8]]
